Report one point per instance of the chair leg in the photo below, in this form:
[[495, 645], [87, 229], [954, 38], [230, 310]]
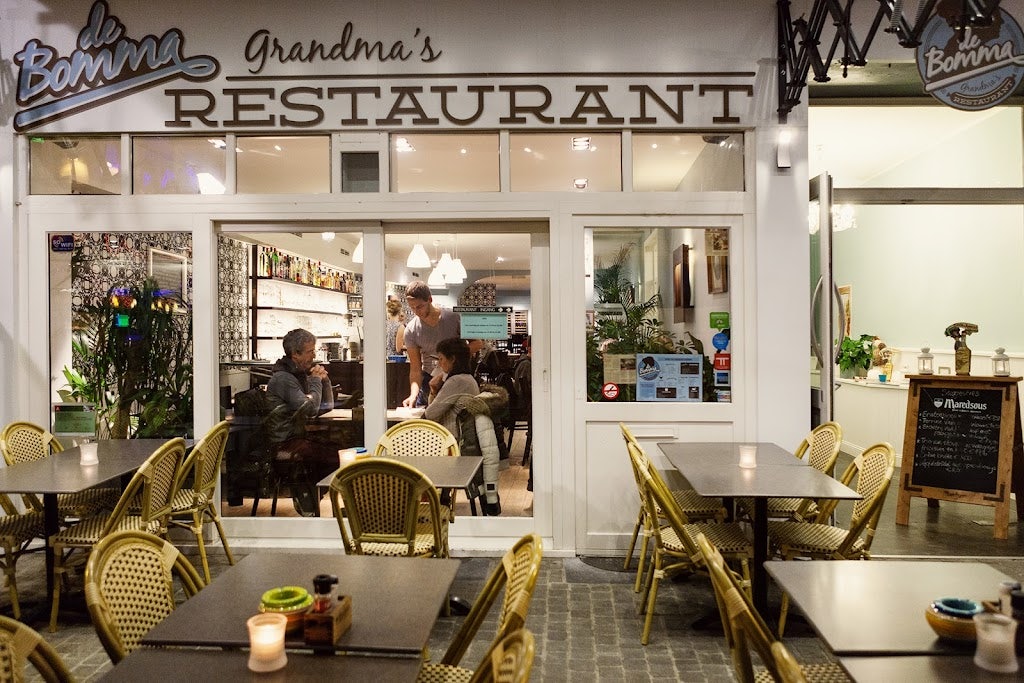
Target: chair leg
[[652, 595], [58, 580], [215, 518], [197, 530], [632, 541], [12, 585], [640, 562], [783, 612]]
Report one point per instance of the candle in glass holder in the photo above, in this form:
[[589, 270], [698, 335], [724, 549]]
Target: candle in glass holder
[[995, 649], [88, 453], [266, 641], [748, 456]]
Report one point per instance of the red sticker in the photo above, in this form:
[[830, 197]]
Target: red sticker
[[723, 361], [610, 391]]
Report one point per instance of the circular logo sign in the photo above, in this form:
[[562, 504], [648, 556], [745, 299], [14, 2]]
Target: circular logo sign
[[720, 341], [648, 369], [973, 71], [610, 391]]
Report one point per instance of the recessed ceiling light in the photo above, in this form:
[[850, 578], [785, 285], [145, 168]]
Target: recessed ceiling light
[[219, 144], [462, 151], [527, 150], [654, 145], [277, 148], [500, 259], [580, 183], [402, 144], [581, 144], [327, 236]]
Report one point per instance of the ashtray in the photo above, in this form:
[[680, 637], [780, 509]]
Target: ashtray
[[291, 601], [953, 618]]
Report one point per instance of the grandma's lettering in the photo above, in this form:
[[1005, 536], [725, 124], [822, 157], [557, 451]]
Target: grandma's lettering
[[263, 47]]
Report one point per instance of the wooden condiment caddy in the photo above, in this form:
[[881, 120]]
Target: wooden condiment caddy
[[325, 628]]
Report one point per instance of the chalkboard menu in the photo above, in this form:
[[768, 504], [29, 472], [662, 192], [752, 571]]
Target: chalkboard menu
[[963, 443], [957, 442]]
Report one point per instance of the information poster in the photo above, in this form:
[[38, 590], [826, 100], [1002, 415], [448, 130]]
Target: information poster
[[484, 322], [620, 368], [669, 377]]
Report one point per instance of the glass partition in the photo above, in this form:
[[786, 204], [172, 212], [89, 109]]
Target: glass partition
[[75, 165], [694, 162], [658, 315], [444, 162], [565, 162], [283, 164], [178, 165]]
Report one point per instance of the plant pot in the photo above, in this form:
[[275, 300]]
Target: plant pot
[[853, 372]]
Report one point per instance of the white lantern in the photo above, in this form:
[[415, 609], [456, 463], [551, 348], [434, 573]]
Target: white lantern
[[1000, 363], [924, 362]]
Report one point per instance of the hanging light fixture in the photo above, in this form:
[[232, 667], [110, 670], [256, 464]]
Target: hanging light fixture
[[444, 264], [436, 279], [357, 253], [458, 270], [418, 257]]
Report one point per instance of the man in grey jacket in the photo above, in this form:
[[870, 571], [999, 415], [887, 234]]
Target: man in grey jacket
[[298, 390]]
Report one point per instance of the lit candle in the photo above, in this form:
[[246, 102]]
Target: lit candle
[[748, 456], [995, 649], [266, 642], [88, 453]]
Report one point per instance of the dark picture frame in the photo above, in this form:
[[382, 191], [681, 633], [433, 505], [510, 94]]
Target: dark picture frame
[[682, 289]]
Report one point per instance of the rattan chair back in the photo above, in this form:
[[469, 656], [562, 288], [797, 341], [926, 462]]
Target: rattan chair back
[[722, 579], [20, 644], [22, 442], [508, 660], [822, 446], [194, 502], [514, 578], [129, 587], [151, 488], [873, 469], [417, 437], [384, 502]]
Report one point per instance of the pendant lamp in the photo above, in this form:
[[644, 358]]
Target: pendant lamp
[[418, 257]]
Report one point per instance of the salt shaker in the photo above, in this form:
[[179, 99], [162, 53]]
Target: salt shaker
[[323, 589], [1005, 588]]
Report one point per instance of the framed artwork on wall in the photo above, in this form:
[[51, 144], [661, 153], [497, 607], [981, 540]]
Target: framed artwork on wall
[[846, 295], [682, 290], [718, 274]]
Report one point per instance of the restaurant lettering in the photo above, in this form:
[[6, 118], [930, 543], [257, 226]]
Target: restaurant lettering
[[263, 46], [964, 405]]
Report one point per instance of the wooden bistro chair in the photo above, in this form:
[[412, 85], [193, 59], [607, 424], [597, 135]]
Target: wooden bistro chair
[[675, 543], [194, 502], [822, 541], [391, 508], [153, 482], [20, 644], [418, 436], [22, 442], [744, 628], [17, 531], [517, 575], [696, 507], [129, 587], [821, 447]]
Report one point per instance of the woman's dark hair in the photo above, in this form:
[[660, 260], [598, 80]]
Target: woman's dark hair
[[458, 350]]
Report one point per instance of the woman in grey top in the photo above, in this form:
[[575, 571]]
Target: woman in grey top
[[453, 359], [394, 328]]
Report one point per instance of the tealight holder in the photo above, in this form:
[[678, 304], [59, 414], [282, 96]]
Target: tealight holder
[[88, 454], [995, 651], [748, 456], [266, 642]]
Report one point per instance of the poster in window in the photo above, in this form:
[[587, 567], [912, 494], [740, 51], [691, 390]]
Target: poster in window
[[716, 245], [682, 291], [846, 295], [674, 377]]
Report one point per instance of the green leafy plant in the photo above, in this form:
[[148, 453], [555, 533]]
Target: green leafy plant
[[856, 353], [132, 358]]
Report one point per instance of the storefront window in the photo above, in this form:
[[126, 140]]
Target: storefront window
[[565, 162], [690, 162], [441, 162], [658, 318], [121, 330], [176, 165], [283, 165], [75, 165], [360, 172]]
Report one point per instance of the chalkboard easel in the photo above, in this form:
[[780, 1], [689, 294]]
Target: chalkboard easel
[[963, 443]]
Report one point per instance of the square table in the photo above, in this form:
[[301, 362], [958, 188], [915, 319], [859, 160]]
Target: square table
[[713, 470], [919, 669], [395, 600], [63, 473], [188, 666], [876, 607]]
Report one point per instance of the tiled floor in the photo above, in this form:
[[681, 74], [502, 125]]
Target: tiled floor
[[584, 611]]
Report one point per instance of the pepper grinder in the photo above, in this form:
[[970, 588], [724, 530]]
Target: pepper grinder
[[323, 592]]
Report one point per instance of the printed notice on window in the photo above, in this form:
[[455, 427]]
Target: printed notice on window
[[669, 377]]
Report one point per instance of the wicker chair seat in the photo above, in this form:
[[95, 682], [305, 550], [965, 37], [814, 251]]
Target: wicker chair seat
[[16, 529], [423, 547], [87, 503], [728, 538], [442, 673], [91, 530], [697, 507], [812, 539], [814, 673]]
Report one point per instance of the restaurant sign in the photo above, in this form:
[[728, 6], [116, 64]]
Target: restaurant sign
[[347, 78], [974, 69]]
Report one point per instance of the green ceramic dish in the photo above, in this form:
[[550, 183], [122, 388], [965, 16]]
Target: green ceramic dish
[[285, 599]]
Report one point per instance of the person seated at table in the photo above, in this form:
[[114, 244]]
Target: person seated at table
[[458, 404], [299, 389]]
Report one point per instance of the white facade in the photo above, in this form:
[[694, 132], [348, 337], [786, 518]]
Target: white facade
[[586, 57]]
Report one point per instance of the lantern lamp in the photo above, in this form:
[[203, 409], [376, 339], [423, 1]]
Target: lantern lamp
[[1000, 363], [925, 362]]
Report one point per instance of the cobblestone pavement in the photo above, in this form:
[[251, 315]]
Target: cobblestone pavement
[[583, 614]]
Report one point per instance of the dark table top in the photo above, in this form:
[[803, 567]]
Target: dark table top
[[713, 470], [877, 607], [444, 472], [395, 600], [62, 472], [191, 666], [919, 669]]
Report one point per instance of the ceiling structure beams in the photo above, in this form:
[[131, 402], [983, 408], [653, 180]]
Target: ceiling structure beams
[[800, 39]]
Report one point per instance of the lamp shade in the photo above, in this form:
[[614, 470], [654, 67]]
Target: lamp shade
[[444, 264], [458, 269], [418, 257], [436, 279], [357, 253]]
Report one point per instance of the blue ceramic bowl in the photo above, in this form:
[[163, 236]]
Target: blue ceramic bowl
[[958, 607]]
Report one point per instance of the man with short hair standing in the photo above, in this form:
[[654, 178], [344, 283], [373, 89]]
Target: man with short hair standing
[[422, 333]]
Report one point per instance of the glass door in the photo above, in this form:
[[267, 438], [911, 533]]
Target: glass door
[[827, 315]]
